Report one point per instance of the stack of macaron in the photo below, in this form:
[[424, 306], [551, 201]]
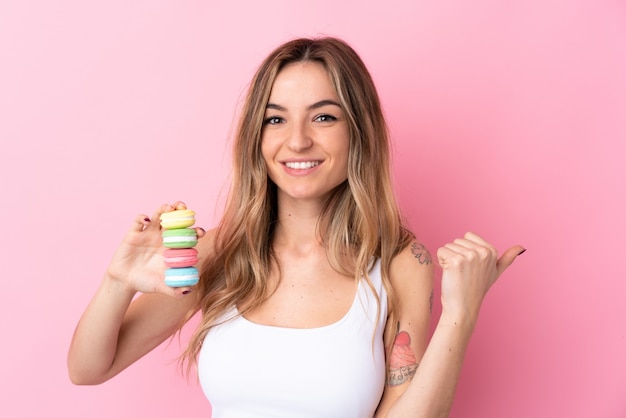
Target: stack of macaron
[[179, 240]]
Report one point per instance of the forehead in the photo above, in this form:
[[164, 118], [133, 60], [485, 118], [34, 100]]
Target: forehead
[[304, 80]]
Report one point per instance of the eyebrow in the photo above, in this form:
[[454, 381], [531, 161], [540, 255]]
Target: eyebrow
[[315, 105]]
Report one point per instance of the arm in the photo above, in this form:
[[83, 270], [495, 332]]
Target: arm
[[411, 275], [115, 331], [470, 266]]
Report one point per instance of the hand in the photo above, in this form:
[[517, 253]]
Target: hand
[[138, 261], [470, 266]]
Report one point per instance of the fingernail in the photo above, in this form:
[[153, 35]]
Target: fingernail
[[521, 252], [146, 219], [186, 292]]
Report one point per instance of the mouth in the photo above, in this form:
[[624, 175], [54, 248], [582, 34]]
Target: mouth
[[301, 165]]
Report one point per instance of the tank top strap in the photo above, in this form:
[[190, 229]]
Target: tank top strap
[[372, 298]]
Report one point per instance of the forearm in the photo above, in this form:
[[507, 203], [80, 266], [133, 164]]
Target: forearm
[[431, 392], [94, 344]]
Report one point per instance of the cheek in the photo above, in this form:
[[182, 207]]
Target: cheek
[[344, 152], [268, 151]]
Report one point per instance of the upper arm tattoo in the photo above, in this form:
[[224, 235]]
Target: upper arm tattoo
[[421, 253], [402, 362]]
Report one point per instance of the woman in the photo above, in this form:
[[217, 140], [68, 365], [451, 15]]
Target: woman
[[315, 299]]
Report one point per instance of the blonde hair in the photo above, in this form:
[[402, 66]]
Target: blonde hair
[[361, 221]]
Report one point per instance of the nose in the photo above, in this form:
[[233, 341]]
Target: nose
[[299, 137]]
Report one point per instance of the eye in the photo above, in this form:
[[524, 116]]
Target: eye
[[325, 118], [273, 120]]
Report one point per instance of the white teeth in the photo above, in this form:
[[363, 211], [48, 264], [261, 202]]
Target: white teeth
[[302, 165]]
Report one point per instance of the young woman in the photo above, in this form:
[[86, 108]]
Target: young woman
[[315, 298]]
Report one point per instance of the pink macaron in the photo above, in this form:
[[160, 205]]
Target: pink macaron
[[180, 257]]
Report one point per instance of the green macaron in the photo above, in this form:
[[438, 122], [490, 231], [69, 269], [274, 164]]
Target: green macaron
[[180, 238]]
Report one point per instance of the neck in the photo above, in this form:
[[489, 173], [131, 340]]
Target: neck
[[297, 226]]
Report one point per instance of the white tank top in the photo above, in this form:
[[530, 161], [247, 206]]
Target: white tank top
[[248, 370]]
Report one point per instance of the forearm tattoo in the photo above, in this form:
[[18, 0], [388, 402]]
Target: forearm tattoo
[[421, 253], [402, 362]]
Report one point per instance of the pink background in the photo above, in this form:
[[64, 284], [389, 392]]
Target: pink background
[[509, 119]]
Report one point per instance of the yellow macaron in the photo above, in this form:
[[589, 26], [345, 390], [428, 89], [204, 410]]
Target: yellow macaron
[[181, 218]]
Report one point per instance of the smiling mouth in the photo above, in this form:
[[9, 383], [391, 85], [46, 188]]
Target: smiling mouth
[[302, 165]]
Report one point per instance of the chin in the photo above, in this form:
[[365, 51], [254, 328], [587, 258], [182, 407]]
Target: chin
[[305, 195]]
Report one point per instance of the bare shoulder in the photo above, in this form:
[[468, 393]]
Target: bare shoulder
[[411, 271]]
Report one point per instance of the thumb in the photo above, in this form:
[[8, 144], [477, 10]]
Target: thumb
[[176, 292], [165, 289], [507, 258]]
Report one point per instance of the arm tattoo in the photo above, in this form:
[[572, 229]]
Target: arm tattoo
[[421, 253], [402, 362]]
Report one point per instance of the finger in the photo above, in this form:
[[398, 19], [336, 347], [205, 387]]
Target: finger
[[470, 249], [449, 255], [141, 221], [179, 205], [477, 245], [507, 258], [460, 247], [463, 242], [469, 244], [178, 292], [156, 216], [200, 232], [471, 236], [165, 289], [184, 291]]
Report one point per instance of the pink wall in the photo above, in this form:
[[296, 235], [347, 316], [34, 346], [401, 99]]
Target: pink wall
[[509, 118]]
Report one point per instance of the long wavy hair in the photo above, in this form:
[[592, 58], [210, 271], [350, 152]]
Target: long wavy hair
[[360, 222]]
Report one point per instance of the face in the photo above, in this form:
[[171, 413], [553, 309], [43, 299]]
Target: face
[[305, 138]]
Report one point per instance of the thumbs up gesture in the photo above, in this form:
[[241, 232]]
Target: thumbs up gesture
[[470, 267]]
